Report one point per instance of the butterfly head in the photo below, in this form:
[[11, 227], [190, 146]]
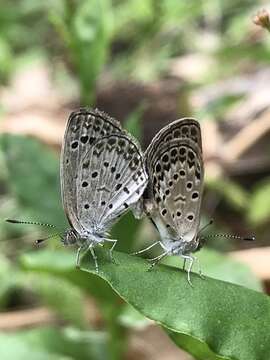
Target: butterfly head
[[188, 247], [69, 237]]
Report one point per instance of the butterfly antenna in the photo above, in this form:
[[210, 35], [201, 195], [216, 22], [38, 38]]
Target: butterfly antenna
[[12, 221], [205, 226], [229, 236], [39, 241]]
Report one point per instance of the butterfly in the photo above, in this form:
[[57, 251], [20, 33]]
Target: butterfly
[[173, 197], [172, 200], [102, 175]]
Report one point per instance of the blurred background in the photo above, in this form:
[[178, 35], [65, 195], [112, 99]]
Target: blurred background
[[147, 63]]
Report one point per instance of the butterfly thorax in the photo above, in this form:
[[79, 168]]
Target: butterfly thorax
[[178, 246], [71, 237], [172, 241]]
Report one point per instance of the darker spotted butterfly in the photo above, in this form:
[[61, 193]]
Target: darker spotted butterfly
[[173, 198]]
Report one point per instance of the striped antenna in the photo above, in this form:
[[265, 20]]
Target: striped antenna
[[205, 226], [246, 238], [12, 221], [39, 241]]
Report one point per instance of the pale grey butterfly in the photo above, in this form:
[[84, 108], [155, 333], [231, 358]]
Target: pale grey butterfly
[[102, 175], [173, 197]]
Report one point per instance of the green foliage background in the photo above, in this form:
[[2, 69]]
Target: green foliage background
[[81, 40]]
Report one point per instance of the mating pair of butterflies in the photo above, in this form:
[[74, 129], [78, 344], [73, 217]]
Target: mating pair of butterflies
[[104, 173]]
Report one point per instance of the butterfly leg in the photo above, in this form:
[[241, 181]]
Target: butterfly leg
[[157, 259], [94, 256], [111, 249], [199, 267], [184, 265], [78, 260], [191, 261], [147, 248]]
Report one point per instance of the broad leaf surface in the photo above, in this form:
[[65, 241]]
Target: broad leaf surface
[[211, 320], [219, 319]]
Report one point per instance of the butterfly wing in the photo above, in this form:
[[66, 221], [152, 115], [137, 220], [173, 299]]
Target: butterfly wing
[[112, 177], [185, 128], [84, 128], [175, 166]]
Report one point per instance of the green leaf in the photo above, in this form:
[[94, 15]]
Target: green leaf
[[231, 320], [61, 296], [85, 29], [7, 282], [33, 177], [133, 319], [193, 346], [234, 194], [61, 264], [221, 267], [6, 59], [48, 343], [126, 225], [259, 206], [133, 123]]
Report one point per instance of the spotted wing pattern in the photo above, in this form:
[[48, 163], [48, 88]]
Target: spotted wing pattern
[[175, 166], [112, 178], [179, 129], [83, 129]]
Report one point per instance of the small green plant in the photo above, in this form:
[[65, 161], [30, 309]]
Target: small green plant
[[85, 28]]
